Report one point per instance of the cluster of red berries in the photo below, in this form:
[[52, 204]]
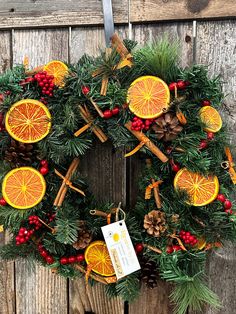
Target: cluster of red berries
[[173, 248], [51, 217], [23, 235], [34, 220], [72, 259], [45, 254], [139, 124], [85, 90], [204, 143], [179, 85], [3, 202], [188, 238], [44, 167], [226, 203], [45, 82], [107, 114], [174, 165]]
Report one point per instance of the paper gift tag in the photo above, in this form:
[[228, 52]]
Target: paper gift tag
[[120, 247]]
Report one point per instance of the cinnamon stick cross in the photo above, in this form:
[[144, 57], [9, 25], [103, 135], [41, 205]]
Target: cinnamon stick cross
[[66, 183], [86, 115], [144, 140]]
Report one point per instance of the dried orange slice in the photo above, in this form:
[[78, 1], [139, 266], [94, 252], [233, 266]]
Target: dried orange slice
[[23, 187], [148, 97], [59, 70], [211, 118], [201, 190], [98, 258], [28, 121]]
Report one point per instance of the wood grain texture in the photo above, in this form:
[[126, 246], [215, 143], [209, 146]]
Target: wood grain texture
[[44, 13], [7, 289], [156, 300], [216, 47], [105, 170], [38, 290], [163, 10]]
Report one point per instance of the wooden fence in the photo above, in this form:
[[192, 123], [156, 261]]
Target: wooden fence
[[45, 30]]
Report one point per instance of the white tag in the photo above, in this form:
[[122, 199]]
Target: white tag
[[120, 247]]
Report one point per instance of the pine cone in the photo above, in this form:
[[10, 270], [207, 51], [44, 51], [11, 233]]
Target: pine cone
[[149, 272], [167, 127], [155, 223], [21, 154], [84, 238]]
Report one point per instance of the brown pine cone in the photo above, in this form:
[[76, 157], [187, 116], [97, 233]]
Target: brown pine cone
[[149, 272], [21, 154], [84, 238], [155, 223], [167, 127]]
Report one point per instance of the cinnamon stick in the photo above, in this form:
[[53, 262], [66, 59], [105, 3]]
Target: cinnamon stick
[[96, 212], [63, 189], [118, 44], [153, 248], [143, 138], [99, 111], [35, 70], [93, 276], [86, 115], [157, 195]]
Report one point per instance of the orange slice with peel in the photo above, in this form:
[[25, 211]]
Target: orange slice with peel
[[98, 259], [23, 187], [28, 121], [59, 70], [211, 118], [201, 190], [148, 97]]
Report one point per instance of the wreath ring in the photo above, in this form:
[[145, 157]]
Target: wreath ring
[[183, 211]]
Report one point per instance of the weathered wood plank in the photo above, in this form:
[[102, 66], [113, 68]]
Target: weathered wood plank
[[7, 294], [156, 300], [216, 48], [16, 13], [38, 290], [163, 10], [106, 173]]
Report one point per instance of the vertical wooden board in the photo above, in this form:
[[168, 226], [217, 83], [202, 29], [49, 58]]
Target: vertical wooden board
[[105, 170], [216, 48], [37, 289], [182, 32], [40, 45], [157, 300], [7, 292]]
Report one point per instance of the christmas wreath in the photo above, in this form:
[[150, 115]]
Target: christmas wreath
[[140, 99]]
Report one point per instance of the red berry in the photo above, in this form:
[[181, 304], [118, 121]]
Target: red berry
[[41, 84], [176, 248], [44, 253], [3, 202], [139, 247], [206, 103], [72, 259], [44, 170], [85, 90], [169, 249], [169, 150], [107, 114], [44, 163], [8, 92], [49, 259], [115, 111], [227, 204], [22, 240], [228, 211], [80, 258], [203, 144], [172, 86], [175, 167], [64, 260], [221, 198], [181, 84], [210, 135]]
